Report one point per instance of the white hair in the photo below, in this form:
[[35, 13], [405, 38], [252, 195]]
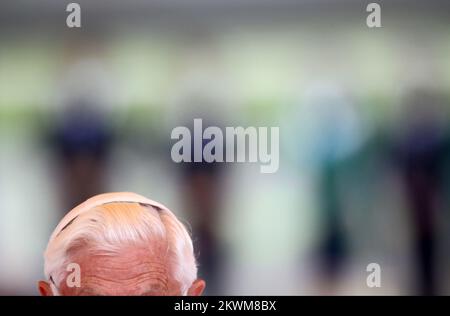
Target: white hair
[[108, 222]]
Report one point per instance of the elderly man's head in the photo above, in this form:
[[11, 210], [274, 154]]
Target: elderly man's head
[[120, 244]]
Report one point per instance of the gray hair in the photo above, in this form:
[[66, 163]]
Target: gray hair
[[109, 221]]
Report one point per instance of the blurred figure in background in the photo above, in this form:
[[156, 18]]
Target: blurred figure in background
[[202, 91], [333, 246], [82, 142], [203, 192], [329, 133], [422, 149], [81, 137]]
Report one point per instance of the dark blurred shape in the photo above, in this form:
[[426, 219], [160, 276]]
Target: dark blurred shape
[[81, 142], [422, 150], [333, 247], [203, 192], [329, 136]]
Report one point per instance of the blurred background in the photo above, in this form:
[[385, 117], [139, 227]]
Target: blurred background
[[364, 135]]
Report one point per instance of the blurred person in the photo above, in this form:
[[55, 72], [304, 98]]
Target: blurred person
[[82, 136], [333, 245], [328, 134], [124, 244], [204, 92], [421, 151], [81, 142], [203, 193]]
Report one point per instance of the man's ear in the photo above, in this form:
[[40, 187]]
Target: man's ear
[[45, 288], [197, 288]]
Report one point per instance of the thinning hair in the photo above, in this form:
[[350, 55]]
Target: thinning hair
[[110, 227]]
